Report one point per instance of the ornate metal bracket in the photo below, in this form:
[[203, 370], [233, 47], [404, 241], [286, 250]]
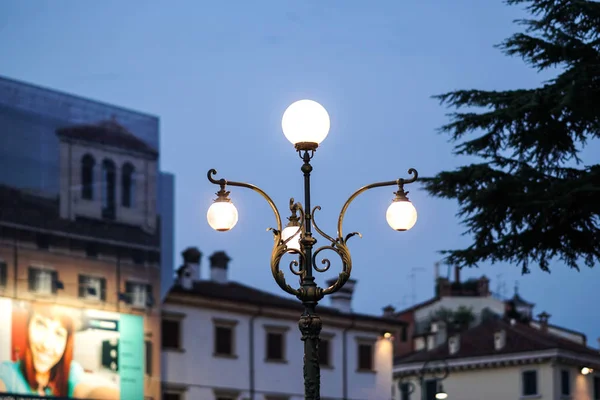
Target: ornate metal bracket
[[338, 244]]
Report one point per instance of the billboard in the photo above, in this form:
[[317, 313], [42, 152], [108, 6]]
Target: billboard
[[48, 350]]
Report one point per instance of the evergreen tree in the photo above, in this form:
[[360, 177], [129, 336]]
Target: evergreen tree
[[530, 198]]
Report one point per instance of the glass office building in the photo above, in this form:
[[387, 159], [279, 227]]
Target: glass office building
[[29, 147]]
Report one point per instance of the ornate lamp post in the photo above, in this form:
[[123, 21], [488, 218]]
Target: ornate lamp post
[[306, 124], [439, 372]]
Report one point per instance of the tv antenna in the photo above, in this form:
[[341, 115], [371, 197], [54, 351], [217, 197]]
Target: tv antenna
[[413, 281]]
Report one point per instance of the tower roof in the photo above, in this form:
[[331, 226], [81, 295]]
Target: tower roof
[[109, 133]]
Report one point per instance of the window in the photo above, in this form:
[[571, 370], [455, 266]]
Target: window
[[596, 388], [275, 346], [138, 257], [42, 241], [43, 281], [226, 394], [127, 185], [91, 250], [325, 352], [529, 384], [3, 272], [405, 391], [87, 177], [224, 338], [108, 189], [172, 396], [365, 356], [565, 382], [275, 343], [171, 334], [92, 288], [404, 334], [139, 294], [148, 357]]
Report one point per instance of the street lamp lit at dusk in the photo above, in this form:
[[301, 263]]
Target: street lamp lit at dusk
[[306, 124]]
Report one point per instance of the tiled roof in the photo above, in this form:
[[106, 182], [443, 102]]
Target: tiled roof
[[479, 341], [109, 133], [418, 306], [19, 207], [519, 300], [237, 292]]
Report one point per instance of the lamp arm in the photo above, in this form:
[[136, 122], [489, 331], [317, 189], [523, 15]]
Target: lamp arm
[[224, 182], [399, 182], [279, 246]]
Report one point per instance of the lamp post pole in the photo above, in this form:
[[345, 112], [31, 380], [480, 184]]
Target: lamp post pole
[[306, 123]]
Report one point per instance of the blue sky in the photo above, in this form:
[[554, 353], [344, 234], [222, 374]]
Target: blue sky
[[220, 75]]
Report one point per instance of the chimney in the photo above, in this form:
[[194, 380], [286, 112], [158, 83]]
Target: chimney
[[483, 286], [190, 270], [500, 340], [342, 299], [457, 274], [436, 271], [454, 344], [544, 321], [389, 311], [218, 267], [543, 317], [444, 288]]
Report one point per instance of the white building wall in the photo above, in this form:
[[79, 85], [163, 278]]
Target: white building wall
[[494, 384], [195, 368]]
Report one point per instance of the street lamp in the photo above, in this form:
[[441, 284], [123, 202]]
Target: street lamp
[[440, 393], [306, 124]]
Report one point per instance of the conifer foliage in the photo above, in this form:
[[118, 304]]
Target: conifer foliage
[[530, 198]]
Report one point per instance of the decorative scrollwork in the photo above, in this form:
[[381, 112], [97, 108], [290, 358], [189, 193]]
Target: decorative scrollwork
[[415, 176], [314, 224], [325, 261], [348, 236], [210, 174], [342, 250], [279, 250], [296, 263], [339, 245]]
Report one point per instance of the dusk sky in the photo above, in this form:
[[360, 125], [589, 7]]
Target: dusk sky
[[220, 75]]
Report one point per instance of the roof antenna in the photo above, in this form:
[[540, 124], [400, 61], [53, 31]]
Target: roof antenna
[[413, 277]]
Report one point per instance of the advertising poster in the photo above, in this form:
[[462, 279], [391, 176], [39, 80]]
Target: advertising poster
[[52, 351]]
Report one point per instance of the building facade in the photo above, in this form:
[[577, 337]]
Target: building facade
[[497, 355], [30, 150], [226, 341], [501, 359], [80, 258]]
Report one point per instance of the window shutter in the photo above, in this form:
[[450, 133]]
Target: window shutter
[[103, 289], [54, 275], [82, 286], [148, 359], [32, 279], [129, 292], [3, 272]]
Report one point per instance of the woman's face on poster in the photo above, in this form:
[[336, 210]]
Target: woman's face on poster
[[48, 339]]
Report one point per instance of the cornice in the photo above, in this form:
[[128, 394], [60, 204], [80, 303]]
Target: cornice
[[329, 320]]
